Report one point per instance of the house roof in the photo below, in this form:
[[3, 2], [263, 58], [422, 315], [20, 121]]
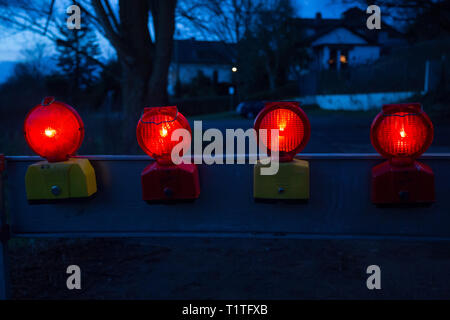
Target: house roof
[[203, 52], [353, 19], [328, 30]]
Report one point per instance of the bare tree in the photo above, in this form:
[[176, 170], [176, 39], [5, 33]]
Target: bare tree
[[145, 62], [276, 38], [222, 20]]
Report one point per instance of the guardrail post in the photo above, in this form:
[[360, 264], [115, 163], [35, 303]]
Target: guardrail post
[[4, 237]]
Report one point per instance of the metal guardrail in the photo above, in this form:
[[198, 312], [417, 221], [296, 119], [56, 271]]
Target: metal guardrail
[[339, 206]]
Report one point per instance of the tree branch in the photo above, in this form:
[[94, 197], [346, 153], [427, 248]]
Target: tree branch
[[114, 21], [50, 12], [109, 32]]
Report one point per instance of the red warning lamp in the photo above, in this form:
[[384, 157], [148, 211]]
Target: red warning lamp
[[163, 180], [154, 131], [401, 133], [292, 123], [55, 131], [291, 182]]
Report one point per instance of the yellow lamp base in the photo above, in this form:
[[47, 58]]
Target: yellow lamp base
[[290, 183], [74, 178]]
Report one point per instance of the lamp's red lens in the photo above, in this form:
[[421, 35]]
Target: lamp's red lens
[[155, 129], [291, 129], [292, 124], [54, 131], [401, 131]]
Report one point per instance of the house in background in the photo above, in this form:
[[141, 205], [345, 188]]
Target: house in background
[[339, 43], [340, 47], [190, 58]]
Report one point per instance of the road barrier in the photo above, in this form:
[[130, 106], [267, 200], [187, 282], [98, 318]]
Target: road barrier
[[339, 205]]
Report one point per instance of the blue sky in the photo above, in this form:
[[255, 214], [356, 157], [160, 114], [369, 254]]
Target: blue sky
[[328, 8], [13, 45]]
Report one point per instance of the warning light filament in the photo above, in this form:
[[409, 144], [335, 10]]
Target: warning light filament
[[163, 132], [49, 132], [402, 133]]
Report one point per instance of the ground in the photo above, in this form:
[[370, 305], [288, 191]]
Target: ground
[[242, 268], [231, 269]]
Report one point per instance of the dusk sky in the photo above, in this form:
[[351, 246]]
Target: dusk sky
[[328, 8], [13, 45]]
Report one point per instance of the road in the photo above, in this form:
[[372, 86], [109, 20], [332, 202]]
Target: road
[[336, 132]]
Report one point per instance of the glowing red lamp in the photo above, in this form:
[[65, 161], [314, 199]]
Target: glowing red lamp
[[294, 130], [293, 127], [163, 180], [401, 133], [55, 131]]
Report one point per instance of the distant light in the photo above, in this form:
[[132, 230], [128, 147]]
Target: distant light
[[234, 69]]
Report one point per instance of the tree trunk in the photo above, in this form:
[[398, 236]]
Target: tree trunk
[[164, 22], [145, 64], [134, 84], [270, 74]]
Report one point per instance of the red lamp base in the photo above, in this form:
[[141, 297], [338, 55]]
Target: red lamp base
[[406, 184], [170, 182]]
